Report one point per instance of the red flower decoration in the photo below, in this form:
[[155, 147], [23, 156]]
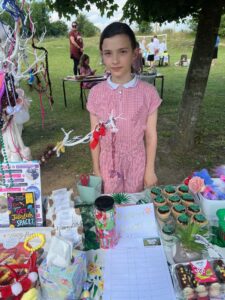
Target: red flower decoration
[[99, 131]]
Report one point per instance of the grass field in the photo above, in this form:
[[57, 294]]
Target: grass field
[[61, 172]]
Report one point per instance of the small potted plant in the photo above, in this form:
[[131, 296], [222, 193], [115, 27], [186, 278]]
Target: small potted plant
[[187, 248]]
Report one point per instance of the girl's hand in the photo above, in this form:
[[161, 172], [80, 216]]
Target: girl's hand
[[150, 179], [96, 172]]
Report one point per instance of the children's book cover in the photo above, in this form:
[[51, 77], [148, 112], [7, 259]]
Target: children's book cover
[[21, 208]]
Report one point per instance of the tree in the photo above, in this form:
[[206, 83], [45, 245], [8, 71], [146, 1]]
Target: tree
[[208, 14], [58, 28], [193, 24], [144, 27], [86, 28], [40, 17]]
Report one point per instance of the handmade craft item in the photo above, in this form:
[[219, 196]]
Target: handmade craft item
[[84, 179], [30, 248], [89, 188], [105, 221], [18, 272]]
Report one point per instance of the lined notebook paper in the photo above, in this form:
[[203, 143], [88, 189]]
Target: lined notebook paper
[[137, 270]]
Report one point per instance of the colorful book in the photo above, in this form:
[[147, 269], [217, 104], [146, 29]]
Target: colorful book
[[21, 207]]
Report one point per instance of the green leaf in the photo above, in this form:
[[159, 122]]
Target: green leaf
[[95, 290], [120, 198]]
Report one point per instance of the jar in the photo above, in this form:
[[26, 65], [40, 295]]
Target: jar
[[105, 221]]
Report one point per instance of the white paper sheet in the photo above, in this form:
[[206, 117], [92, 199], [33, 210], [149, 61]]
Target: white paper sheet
[[136, 221], [136, 269], [137, 274]]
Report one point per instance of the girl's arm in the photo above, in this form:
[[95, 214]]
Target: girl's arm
[[95, 152], [150, 177], [72, 40]]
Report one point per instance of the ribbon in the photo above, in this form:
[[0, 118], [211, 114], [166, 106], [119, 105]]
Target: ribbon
[[99, 131]]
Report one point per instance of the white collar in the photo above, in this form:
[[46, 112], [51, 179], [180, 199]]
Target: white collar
[[131, 83]]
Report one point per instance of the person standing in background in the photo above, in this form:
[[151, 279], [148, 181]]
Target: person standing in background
[[215, 52], [137, 65], [76, 46]]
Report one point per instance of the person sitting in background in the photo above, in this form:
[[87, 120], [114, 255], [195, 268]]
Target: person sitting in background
[[85, 70], [137, 65]]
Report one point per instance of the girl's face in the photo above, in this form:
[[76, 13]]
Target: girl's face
[[86, 62], [118, 57]]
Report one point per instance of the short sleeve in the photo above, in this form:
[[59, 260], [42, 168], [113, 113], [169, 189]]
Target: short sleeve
[[155, 100], [92, 103]]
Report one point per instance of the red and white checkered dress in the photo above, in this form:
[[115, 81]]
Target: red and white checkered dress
[[122, 154]]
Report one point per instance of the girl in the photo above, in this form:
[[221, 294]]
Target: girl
[[86, 70], [125, 160]]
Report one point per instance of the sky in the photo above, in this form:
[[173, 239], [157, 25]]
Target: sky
[[101, 22]]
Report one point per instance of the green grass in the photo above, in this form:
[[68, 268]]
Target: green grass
[[210, 137]]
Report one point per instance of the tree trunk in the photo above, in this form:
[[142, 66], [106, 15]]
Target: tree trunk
[[197, 77]]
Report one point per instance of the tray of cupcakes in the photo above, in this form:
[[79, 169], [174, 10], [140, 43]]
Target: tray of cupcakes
[[175, 207], [200, 280]]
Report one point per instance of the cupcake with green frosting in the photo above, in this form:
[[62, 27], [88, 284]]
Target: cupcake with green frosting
[[193, 209], [168, 231], [187, 199], [155, 191], [174, 199], [182, 189], [178, 209], [183, 220], [169, 190], [200, 219], [163, 212], [159, 201]]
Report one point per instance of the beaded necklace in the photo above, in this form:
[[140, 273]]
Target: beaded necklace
[[5, 157]]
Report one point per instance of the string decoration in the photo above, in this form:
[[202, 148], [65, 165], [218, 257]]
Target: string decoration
[[92, 137], [15, 52]]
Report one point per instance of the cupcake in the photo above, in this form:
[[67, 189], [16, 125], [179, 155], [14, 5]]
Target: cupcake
[[159, 201], [163, 212], [183, 220], [200, 219], [178, 209], [155, 191], [174, 199], [168, 231], [182, 189], [187, 199], [193, 209], [169, 190]]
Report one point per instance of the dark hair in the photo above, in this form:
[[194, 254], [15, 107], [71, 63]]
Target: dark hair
[[116, 28], [82, 59]]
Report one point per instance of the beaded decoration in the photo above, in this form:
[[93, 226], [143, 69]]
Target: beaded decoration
[[9, 90], [29, 248]]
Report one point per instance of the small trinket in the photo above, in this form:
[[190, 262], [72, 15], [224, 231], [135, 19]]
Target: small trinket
[[86, 294]]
